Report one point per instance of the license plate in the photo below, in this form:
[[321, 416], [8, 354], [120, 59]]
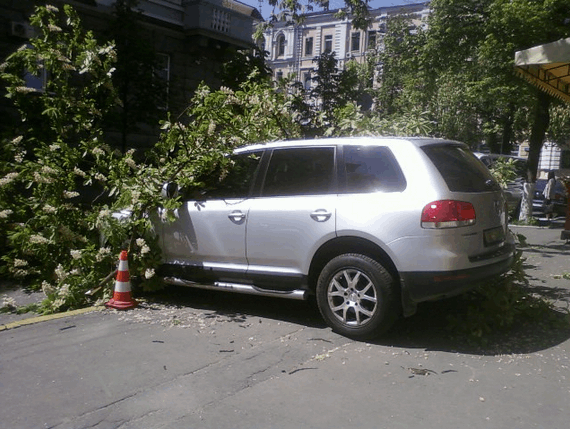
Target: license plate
[[494, 235]]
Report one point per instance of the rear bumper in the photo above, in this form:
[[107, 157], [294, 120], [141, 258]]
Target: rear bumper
[[419, 286]]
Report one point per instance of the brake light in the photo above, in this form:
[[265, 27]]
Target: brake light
[[448, 214]]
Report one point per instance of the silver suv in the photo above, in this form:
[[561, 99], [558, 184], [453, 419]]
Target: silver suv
[[371, 226]]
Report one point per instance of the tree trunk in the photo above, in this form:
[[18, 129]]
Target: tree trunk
[[539, 127]]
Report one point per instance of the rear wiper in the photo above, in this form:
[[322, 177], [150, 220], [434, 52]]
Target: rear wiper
[[490, 183]]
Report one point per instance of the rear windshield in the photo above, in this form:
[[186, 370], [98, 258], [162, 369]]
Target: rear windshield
[[460, 169]]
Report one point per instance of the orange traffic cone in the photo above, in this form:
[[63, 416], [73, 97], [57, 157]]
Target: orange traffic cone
[[122, 299]]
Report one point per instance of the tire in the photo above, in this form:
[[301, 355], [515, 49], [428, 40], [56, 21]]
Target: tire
[[356, 296]]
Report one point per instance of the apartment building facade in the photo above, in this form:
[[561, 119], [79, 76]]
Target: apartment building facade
[[293, 47], [192, 39]]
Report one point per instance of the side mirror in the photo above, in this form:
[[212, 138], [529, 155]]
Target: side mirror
[[170, 190]]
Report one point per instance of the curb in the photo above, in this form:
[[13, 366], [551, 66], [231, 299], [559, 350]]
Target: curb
[[32, 320]]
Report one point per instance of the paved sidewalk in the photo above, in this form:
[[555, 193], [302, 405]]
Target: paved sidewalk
[[547, 261]]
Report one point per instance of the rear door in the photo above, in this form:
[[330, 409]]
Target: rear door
[[293, 215]]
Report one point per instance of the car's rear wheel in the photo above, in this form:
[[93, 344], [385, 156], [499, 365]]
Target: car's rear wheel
[[356, 296]]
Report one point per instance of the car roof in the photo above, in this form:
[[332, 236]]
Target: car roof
[[355, 141]]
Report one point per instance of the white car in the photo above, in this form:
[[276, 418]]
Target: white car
[[371, 226]]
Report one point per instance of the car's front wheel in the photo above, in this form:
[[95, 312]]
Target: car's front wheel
[[356, 296]]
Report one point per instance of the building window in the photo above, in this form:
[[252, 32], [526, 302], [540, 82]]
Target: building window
[[279, 75], [37, 79], [37, 82], [162, 71], [281, 45], [372, 40], [308, 46], [328, 43], [220, 21], [355, 41], [307, 80]]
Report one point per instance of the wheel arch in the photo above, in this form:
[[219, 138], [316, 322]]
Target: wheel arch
[[342, 245]]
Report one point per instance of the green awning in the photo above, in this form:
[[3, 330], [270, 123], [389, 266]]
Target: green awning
[[548, 67]]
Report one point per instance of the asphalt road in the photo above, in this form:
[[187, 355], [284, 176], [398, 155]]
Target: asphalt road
[[199, 359]]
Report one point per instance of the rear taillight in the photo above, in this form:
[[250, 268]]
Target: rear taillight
[[448, 214]]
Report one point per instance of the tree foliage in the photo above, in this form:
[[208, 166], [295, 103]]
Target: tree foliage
[[56, 150]]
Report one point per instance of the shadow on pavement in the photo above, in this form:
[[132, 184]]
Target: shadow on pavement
[[238, 306], [428, 329]]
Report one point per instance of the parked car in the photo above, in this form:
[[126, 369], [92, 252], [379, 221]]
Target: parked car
[[514, 189], [371, 226], [559, 203]]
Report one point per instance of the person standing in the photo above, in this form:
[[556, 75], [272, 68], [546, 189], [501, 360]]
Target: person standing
[[548, 193]]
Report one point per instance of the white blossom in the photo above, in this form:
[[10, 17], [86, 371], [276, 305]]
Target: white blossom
[[46, 169], [47, 288], [63, 291], [98, 151], [24, 89], [17, 140], [75, 254], [79, 172], [52, 8], [20, 262], [131, 163], [140, 242], [57, 303], [49, 209], [100, 177], [106, 49], [20, 273], [8, 178], [102, 253], [54, 147], [5, 213], [145, 249], [70, 194], [203, 92], [38, 239], [211, 128], [60, 273], [149, 273], [39, 178], [104, 213]]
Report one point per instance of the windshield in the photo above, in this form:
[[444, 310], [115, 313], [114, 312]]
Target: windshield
[[460, 169]]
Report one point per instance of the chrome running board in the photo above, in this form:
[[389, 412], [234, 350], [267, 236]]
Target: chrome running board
[[239, 288]]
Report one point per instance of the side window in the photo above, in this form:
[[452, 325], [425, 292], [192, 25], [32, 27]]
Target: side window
[[239, 180], [300, 171], [372, 169]]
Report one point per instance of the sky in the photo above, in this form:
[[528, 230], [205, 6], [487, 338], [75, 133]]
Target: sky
[[266, 9]]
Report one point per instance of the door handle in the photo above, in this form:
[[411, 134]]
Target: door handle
[[237, 216], [321, 215]]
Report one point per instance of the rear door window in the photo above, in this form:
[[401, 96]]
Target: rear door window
[[460, 169], [300, 171], [372, 169]]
